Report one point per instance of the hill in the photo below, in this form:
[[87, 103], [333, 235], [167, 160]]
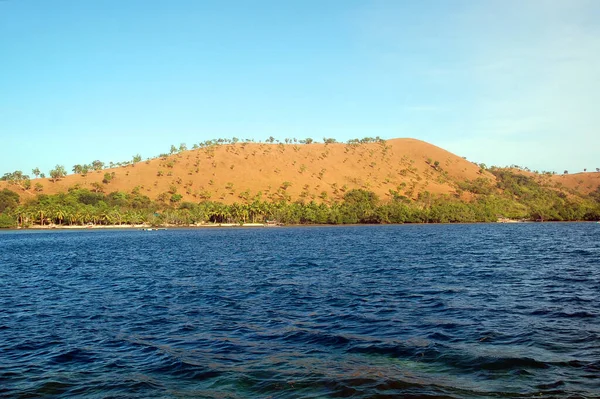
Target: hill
[[362, 181], [234, 172]]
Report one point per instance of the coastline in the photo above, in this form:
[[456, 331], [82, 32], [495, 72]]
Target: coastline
[[135, 226], [253, 225]]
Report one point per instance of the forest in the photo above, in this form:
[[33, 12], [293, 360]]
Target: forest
[[514, 196]]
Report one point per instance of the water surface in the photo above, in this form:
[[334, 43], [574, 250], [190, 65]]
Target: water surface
[[450, 311]]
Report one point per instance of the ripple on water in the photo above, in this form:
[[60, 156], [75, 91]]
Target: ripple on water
[[440, 311]]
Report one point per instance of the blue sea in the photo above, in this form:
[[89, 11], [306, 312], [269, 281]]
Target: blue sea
[[413, 311]]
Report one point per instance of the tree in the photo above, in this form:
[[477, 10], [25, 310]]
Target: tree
[[137, 158], [40, 212], [97, 187], [59, 214], [360, 205], [173, 149], [182, 147], [285, 185], [360, 196], [77, 168], [7, 221], [8, 199], [176, 198], [97, 165], [58, 173], [15, 177], [108, 177], [36, 172]]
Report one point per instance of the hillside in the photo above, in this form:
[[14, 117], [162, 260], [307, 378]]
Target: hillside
[[583, 183], [322, 172], [367, 181]]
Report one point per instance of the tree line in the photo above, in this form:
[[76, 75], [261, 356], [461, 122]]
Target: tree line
[[513, 195]]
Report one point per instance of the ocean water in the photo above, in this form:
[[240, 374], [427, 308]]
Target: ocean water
[[416, 311]]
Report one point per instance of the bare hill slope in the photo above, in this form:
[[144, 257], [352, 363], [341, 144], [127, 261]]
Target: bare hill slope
[[322, 172], [235, 172]]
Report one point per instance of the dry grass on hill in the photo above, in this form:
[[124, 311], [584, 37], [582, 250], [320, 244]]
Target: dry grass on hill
[[584, 182], [321, 172]]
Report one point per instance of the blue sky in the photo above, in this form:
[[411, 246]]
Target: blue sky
[[501, 82]]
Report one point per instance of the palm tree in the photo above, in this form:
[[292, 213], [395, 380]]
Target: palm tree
[[115, 215], [21, 213], [40, 212], [58, 213], [105, 216]]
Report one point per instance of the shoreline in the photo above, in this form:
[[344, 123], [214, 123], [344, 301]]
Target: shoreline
[[136, 226], [253, 225]]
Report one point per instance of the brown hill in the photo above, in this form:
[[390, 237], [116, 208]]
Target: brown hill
[[584, 182], [321, 172]]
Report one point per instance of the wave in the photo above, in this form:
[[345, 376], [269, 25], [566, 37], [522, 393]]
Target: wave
[[73, 355]]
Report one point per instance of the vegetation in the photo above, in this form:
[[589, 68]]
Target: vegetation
[[513, 196], [58, 173], [492, 193]]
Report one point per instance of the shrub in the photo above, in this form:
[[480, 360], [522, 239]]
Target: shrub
[[7, 222]]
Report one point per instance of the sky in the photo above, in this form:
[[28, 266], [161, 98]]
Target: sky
[[501, 82]]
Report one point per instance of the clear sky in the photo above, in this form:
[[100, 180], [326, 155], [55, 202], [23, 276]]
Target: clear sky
[[498, 81]]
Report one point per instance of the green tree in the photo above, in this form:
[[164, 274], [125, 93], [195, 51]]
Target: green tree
[[360, 205], [97, 187], [97, 165], [7, 221], [108, 177], [58, 173], [8, 200]]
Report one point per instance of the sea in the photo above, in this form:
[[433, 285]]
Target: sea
[[396, 311]]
